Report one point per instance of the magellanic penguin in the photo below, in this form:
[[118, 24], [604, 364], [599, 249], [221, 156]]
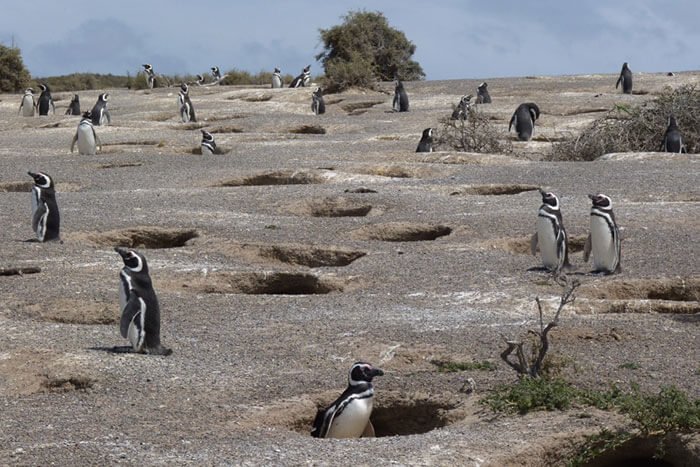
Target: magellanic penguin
[[27, 106], [140, 321], [303, 79], [426, 141], [482, 94], [318, 105], [625, 79], [550, 235], [208, 145], [673, 141], [150, 75], [461, 112], [604, 238], [45, 100], [46, 221], [200, 80], [400, 103], [74, 106], [524, 120], [88, 141], [348, 416], [100, 114], [186, 107], [277, 79], [216, 74]]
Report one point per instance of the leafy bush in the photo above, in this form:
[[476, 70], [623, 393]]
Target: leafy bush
[[84, 81], [13, 74], [239, 77]]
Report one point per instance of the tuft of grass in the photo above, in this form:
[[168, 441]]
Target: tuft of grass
[[532, 394], [449, 366]]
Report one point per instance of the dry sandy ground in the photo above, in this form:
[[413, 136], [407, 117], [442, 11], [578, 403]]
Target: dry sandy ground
[[275, 273]]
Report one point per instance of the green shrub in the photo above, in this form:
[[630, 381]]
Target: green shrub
[[13, 74]]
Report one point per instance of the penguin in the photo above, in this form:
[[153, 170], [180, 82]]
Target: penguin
[[186, 108], [348, 416], [461, 112], [216, 73], [208, 144], [85, 136], [604, 238], [277, 79], [482, 94], [550, 234], [426, 141], [625, 78], [303, 79], [400, 103], [27, 106], [45, 100], [140, 321], [74, 106], [318, 105], [46, 220], [200, 80], [100, 114], [524, 120], [673, 141], [150, 75]]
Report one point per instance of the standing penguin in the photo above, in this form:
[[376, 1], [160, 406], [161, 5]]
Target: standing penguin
[[85, 136], [426, 141], [45, 100], [200, 80], [348, 416], [625, 78], [27, 105], [208, 145], [100, 114], [46, 221], [277, 79], [482, 94], [216, 73], [74, 106], [303, 79], [604, 238], [140, 321], [461, 112], [186, 108], [318, 105], [150, 75], [400, 103], [550, 234], [673, 141], [524, 120]]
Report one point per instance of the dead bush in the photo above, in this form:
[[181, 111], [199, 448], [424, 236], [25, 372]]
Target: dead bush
[[474, 134]]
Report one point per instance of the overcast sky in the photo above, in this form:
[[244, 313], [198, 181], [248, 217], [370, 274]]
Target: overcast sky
[[454, 38]]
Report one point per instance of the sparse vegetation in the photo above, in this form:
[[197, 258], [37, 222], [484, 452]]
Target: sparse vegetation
[[239, 77], [449, 366], [474, 134], [13, 74]]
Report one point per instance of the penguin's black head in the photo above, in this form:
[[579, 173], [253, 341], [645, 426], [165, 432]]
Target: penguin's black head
[[206, 136], [307, 68], [483, 85], [465, 99], [672, 121], [550, 199], [363, 372], [147, 66], [87, 115], [29, 91], [215, 69], [185, 88], [601, 201], [104, 96], [136, 262], [534, 110], [318, 92], [277, 70], [76, 98], [41, 179], [200, 78], [428, 133], [43, 87]]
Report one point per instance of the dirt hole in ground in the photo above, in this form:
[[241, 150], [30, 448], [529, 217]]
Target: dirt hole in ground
[[647, 452], [71, 311], [284, 177], [402, 232], [331, 207], [308, 130], [396, 415], [264, 283], [226, 129], [299, 255], [394, 171], [358, 108], [139, 237], [521, 245], [495, 189], [26, 187]]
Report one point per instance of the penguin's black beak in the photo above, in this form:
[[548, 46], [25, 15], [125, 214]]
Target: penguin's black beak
[[592, 197], [123, 252], [31, 174], [376, 372]]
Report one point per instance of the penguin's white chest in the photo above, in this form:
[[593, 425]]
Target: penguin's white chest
[[86, 140], [547, 241], [602, 244], [352, 421], [27, 106]]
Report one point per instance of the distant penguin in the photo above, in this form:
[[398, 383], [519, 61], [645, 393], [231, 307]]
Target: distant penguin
[[604, 238], [461, 112], [303, 79], [216, 73], [88, 141], [150, 75], [186, 107], [348, 416], [673, 141], [74, 106], [318, 105], [550, 235], [200, 80], [46, 220], [208, 145], [27, 106], [400, 103], [140, 321], [482, 94], [45, 100], [426, 141], [625, 79], [277, 79], [100, 114], [524, 120]]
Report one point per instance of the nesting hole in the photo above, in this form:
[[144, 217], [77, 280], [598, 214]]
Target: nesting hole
[[275, 178], [675, 289], [139, 237], [308, 130], [265, 283], [68, 311], [495, 189], [394, 171], [358, 108], [332, 207], [521, 245], [646, 452], [298, 255], [226, 129], [408, 416], [402, 232]]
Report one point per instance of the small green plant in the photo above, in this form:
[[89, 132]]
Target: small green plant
[[449, 366], [530, 394]]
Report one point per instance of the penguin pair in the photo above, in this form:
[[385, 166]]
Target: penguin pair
[[45, 100], [625, 79], [400, 103], [524, 120], [186, 107], [100, 114], [603, 240], [482, 94], [426, 141], [277, 79], [46, 220], [461, 111], [673, 141], [303, 79], [88, 141], [74, 106], [348, 416], [208, 145], [318, 105], [27, 106]]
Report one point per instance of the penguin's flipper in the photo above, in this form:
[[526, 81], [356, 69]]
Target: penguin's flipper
[[513, 121], [369, 431], [98, 141], [53, 106], [619, 80], [130, 313], [75, 140], [587, 249], [323, 421], [533, 244]]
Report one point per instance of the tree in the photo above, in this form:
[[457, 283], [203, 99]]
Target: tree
[[13, 75], [364, 49]]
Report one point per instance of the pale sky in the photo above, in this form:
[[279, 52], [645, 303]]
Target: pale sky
[[454, 38]]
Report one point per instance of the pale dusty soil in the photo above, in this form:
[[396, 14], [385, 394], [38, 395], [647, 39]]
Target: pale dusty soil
[[274, 277]]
